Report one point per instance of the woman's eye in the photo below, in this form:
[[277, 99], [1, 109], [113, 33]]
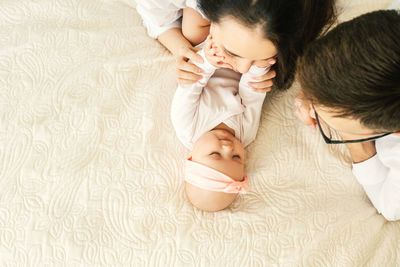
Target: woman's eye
[[236, 156], [229, 53]]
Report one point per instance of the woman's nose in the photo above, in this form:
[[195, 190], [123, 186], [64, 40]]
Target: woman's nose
[[243, 65]]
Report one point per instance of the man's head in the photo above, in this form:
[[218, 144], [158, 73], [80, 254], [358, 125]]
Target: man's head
[[352, 75]]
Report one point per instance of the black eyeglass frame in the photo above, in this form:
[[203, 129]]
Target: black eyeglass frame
[[330, 141]]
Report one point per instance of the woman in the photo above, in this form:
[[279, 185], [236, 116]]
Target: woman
[[283, 27]]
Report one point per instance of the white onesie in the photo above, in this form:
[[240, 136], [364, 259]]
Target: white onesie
[[222, 95]]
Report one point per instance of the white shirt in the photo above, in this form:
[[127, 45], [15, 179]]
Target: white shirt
[[222, 95], [380, 177], [161, 15], [395, 4]]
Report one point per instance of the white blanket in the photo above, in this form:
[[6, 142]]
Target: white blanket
[[91, 169]]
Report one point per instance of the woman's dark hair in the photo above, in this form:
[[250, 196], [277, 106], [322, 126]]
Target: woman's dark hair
[[355, 69], [289, 24]]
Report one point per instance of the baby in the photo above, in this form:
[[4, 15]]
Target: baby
[[216, 118]]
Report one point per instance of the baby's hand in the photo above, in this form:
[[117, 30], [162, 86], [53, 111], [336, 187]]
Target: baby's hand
[[214, 54]]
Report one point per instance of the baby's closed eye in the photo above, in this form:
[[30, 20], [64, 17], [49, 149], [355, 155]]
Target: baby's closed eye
[[215, 154]]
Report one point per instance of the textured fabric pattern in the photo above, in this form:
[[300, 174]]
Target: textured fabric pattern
[[91, 169]]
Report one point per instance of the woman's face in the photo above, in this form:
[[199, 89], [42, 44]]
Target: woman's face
[[242, 46]]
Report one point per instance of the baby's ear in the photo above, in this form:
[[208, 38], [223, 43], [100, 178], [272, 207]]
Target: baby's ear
[[398, 134]]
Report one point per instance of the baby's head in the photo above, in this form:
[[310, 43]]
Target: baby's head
[[215, 172]]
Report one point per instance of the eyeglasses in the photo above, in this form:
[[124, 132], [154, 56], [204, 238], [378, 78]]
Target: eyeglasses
[[331, 136]]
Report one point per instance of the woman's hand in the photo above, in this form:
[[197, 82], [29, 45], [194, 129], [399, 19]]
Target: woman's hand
[[182, 49], [186, 72], [264, 82], [304, 111]]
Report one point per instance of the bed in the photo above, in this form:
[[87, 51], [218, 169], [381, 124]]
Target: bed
[[91, 169]]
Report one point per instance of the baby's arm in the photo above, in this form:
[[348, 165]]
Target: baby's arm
[[194, 27], [185, 104], [252, 102]]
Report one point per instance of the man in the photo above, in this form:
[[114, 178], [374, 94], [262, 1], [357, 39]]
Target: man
[[350, 82]]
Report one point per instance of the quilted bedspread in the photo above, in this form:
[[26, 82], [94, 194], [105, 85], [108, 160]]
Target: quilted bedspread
[[91, 169]]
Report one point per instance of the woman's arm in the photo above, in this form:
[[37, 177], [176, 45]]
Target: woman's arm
[[183, 51], [195, 28], [161, 18]]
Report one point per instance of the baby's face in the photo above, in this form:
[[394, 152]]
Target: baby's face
[[222, 151]]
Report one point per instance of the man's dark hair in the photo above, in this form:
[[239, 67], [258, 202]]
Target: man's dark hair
[[355, 69], [290, 25]]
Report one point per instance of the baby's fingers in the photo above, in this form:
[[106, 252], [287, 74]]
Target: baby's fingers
[[213, 57], [214, 53]]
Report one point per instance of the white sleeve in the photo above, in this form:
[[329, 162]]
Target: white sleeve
[[381, 181], [159, 16], [252, 102], [193, 4], [184, 107], [395, 4]]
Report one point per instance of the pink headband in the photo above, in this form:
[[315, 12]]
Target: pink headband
[[209, 179]]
